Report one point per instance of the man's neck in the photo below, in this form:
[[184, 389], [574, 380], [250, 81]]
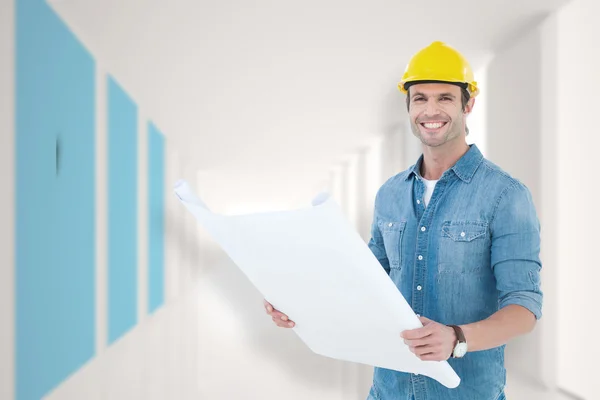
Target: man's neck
[[437, 160]]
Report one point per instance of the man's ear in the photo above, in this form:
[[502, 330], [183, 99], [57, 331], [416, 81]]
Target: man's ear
[[469, 106]]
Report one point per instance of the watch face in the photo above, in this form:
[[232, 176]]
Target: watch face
[[460, 350]]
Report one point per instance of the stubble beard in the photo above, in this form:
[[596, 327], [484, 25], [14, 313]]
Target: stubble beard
[[452, 133]]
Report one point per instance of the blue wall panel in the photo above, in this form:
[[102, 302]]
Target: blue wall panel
[[55, 201], [122, 211], [156, 217]]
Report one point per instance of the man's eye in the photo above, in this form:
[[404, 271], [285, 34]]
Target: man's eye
[[445, 98], [418, 99]]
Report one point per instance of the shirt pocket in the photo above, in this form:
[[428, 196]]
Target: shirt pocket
[[464, 247], [392, 233]]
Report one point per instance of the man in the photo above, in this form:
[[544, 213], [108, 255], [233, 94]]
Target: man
[[459, 237]]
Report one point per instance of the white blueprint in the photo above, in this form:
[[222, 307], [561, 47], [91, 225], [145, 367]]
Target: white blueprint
[[312, 265]]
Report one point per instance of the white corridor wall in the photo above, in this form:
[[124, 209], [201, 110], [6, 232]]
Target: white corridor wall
[[577, 86], [7, 130]]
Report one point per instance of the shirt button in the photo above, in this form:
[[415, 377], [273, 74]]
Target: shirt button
[[418, 201], [419, 287], [390, 224], [462, 234], [423, 229], [420, 257]]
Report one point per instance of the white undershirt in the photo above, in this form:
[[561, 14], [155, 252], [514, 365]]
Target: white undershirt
[[429, 186]]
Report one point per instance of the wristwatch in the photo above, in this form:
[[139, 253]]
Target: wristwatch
[[461, 347]]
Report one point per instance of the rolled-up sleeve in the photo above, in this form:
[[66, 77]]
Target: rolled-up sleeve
[[515, 253]]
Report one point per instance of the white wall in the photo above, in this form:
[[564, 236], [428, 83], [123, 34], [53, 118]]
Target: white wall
[[514, 142], [361, 190], [7, 130], [351, 183], [400, 149], [175, 234], [549, 207], [187, 366], [578, 85], [374, 178], [477, 120], [101, 211]]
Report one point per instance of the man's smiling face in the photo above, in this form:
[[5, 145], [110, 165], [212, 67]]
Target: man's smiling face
[[436, 113]]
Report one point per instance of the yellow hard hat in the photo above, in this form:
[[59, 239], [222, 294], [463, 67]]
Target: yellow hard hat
[[439, 62]]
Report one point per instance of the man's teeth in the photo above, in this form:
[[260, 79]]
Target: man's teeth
[[433, 125]]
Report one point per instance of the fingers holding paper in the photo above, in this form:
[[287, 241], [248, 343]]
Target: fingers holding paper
[[279, 318], [432, 342]]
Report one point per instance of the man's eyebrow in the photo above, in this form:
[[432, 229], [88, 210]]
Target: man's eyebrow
[[440, 95]]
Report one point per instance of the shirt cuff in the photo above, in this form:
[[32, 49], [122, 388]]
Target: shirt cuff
[[530, 300]]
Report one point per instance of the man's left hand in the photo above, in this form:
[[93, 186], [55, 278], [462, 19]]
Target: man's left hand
[[432, 342]]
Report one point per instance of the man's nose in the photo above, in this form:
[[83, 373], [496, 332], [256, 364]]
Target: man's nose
[[432, 108]]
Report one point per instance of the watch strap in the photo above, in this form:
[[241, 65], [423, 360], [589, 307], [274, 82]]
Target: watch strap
[[459, 333]]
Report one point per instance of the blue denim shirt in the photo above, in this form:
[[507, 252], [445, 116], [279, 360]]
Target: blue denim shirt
[[473, 250]]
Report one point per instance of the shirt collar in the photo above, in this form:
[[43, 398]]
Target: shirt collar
[[464, 168]]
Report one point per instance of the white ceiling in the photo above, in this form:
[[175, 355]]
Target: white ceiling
[[274, 90]]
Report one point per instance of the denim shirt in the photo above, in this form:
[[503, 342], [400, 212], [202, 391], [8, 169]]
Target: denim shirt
[[473, 250]]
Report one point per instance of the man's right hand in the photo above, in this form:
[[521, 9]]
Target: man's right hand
[[280, 319]]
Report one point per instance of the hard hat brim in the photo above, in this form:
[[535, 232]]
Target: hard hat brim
[[471, 87]]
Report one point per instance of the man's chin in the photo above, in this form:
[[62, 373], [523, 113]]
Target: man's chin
[[433, 141]]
